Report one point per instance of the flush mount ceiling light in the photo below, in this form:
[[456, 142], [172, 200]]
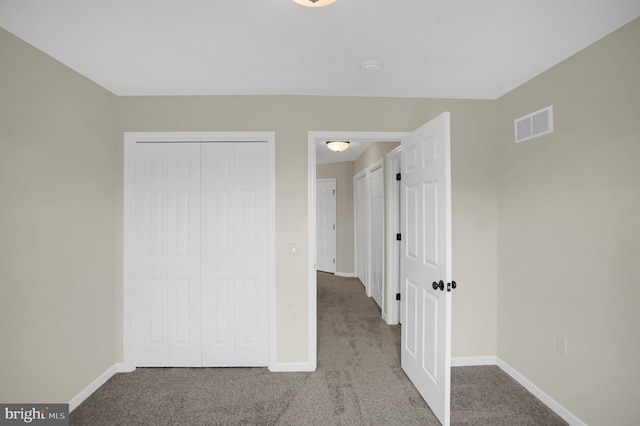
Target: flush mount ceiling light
[[337, 146], [314, 3], [370, 67]]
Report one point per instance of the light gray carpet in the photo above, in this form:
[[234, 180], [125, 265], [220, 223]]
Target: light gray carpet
[[358, 382]]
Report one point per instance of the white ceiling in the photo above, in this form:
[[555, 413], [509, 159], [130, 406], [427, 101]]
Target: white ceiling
[[425, 48]]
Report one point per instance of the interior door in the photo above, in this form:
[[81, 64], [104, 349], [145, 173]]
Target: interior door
[[377, 235], [167, 226], [235, 252], [362, 224], [426, 263], [326, 225], [201, 254]]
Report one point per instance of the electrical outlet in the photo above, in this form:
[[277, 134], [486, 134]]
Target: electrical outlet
[[294, 316], [561, 345]]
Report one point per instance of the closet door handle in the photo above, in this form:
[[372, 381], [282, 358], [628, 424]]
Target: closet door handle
[[438, 285]]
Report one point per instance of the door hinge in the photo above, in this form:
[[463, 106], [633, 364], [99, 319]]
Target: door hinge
[[399, 237], [334, 192], [397, 296], [334, 261], [398, 176], [334, 227]]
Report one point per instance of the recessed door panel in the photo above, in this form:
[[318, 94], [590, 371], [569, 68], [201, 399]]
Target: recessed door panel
[[155, 311], [182, 223], [218, 316], [180, 299], [219, 214], [247, 305], [411, 322], [247, 210], [430, 335], [155, 212], [430, 221], [413, 226]]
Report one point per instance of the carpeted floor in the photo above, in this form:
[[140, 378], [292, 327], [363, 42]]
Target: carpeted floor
[[358, 382]]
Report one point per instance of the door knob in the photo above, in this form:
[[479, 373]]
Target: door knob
[[451, 285], [438, 285]]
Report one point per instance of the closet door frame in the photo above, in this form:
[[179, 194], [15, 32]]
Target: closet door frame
[[128, 289]]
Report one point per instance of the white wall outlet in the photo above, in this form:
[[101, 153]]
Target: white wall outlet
[[561, 345], [294, 316]]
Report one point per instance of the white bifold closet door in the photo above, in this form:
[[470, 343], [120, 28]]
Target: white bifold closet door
[[201, 254], [235, 254]]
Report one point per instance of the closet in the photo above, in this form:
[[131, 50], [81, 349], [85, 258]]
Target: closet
[[201, 254]]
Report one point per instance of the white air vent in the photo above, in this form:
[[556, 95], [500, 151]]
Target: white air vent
[[535, 124]]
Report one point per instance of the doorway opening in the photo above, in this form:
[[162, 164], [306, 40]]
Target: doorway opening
[[315, 140]]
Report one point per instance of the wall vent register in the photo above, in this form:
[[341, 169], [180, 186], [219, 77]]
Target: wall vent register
[[533, 125]]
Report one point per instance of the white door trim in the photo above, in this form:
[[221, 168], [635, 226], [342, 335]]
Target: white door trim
[[313, 138], [130, 139], [392, 314]]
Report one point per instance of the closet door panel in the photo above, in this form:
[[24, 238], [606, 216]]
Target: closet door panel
[[151, 337], [251, 253], [218, 252], [183, 254]]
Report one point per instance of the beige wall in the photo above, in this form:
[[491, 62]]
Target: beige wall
[[343, 174], [61, 218], [58, 173], [474, 189], [569, 239], [376, 152]]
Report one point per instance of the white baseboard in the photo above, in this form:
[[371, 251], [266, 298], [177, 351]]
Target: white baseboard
[[99, 381], [285, 367], [385, 317], [467, 361], [554, 405], [346, 274]]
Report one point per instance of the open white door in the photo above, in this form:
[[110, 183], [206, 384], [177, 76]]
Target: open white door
[[426, 263]]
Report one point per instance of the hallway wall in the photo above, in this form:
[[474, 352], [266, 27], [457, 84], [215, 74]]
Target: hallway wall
[[343, 174]]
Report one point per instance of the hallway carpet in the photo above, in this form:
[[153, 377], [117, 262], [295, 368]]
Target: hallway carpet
[[358, 381]]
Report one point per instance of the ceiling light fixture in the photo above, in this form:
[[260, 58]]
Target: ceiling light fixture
[[337, 146], [370, 67], [314, 3]]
